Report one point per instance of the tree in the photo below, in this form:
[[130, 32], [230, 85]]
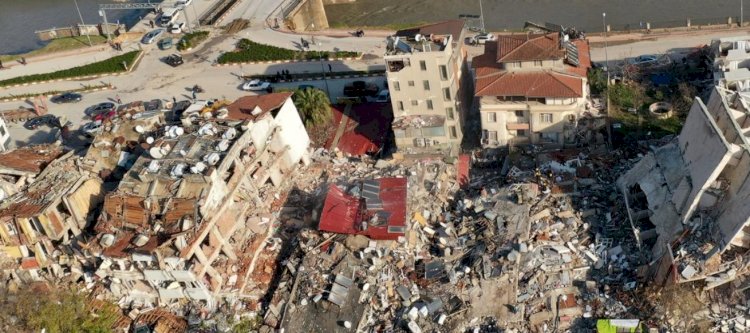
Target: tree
[[597, 81], [313, 106]]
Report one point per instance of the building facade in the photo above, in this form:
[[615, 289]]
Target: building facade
[[531, 89], [427, 77]]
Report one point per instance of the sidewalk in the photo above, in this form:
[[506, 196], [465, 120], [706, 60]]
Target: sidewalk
[[59, 61]]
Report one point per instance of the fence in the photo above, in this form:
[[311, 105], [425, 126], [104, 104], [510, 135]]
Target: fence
[[692, 22]]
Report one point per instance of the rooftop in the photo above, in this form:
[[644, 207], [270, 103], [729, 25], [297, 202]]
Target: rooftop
[[29, 159], [375, 208], [427, 38], [544, 83], [244, 108], [528, 47]]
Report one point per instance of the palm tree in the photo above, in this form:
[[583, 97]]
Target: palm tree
[[313, 106]]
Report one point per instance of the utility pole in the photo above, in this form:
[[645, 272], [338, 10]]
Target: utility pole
[[606, 68], [481, 14], [81, 17], [742, 17]]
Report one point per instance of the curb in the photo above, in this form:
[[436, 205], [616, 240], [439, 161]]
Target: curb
[[333, 77], [6, 100], [222, 17], [136, 61], [286, 61]]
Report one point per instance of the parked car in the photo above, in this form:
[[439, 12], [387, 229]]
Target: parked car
[[90, 129], [153, 105], [361, 89], [183, 3], [176, 28], [100, 108], [68, 97], [166, 43], [305, 86], [643, 59], [151, 36], [255, 85], [174, 60], [482, 38], [47, 119], [384, 96]]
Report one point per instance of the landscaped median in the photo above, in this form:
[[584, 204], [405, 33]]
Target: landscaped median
[[118, 64], [190, 40], [294, 77], [250, 52], [84, 89]]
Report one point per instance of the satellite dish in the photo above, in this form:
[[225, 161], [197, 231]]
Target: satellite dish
[[107, 240], [140, 240], [212, 158], [153, 166], [155, 152], [230, 134], [223, 145], [198, 168], [150, 140], [418, 37], [139, 129]]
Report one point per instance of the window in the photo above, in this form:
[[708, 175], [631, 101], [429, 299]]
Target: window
[[414, 102], [400, 106], [491, 117], [443, 72], [449, 113], [520, 132], [429, 104], [426, 84], [411, 83], [447, 94], [538, 63], [2, 130], [37, 225], [11, 227], [545, 118], [519, 114], [492, 136], [396, 86], [423, 65], [453, 132]]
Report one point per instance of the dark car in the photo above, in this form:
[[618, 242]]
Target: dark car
[[361, 89], [153, 105], [100, 108], [305, 86], [47, 119], [174, 60], [68, 97]]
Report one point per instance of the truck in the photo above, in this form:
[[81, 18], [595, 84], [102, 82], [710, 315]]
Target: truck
[[361, 89], [168, 16]]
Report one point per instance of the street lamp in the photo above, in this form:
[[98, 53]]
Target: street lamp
[[606, 68], [81, 17], [742, 17]]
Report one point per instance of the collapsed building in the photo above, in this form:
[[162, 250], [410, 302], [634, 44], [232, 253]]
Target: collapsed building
[[688, 199], [169, 230]]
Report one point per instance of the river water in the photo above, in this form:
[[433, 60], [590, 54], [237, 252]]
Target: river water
[[511, 14], [20, 18]]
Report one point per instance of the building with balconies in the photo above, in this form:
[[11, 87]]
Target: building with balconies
[[531, 88], [428, 81]]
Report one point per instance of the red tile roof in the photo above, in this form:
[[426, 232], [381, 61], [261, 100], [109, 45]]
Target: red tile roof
[[30, 159], [529, 47], [530, 84], [344, 213], [243, 107]]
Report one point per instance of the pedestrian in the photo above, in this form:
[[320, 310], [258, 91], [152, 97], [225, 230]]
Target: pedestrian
[[23, 60], [194, 96], [174, 100], [151, 22], [119, 101], [330, 68], [1, 64]]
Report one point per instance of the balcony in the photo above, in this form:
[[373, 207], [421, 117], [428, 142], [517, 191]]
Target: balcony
[[517, 126]]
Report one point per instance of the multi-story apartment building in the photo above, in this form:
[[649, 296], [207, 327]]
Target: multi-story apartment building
[[531, 88], [427, 76]]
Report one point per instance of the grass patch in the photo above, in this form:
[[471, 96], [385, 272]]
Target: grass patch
[[57, 45], [111, 65], [190, 40], [310, 76], [248, 51]]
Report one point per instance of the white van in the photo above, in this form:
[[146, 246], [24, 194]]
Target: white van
[[168, 16]]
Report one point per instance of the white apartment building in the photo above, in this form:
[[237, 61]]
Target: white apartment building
[[426, 74], [531, 88]]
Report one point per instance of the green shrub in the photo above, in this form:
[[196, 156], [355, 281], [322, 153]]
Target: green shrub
[[248, 51], [111, 65], [192, 39]]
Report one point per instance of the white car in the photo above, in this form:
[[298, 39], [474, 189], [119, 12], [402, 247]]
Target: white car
[[176, 28], [254, 85], [183, 3], [483, 38], [151, 36], [92, 128]]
